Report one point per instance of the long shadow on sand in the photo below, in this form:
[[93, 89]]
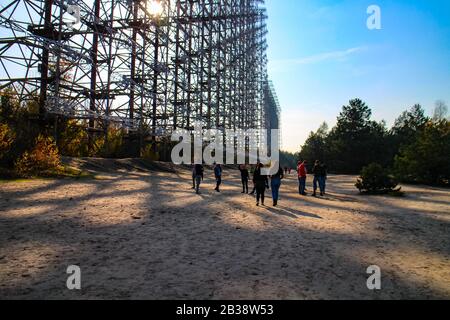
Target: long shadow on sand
[[182, 251]]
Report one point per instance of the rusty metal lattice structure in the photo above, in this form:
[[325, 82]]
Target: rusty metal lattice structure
[[146, 65]]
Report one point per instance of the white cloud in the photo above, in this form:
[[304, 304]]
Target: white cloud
[[317, 58]]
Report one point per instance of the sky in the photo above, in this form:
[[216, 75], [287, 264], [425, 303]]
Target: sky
[[322, 54]]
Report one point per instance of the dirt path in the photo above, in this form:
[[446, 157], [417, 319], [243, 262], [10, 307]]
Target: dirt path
[[147, 236]]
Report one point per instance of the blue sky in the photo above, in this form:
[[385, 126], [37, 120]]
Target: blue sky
[[321, 55]]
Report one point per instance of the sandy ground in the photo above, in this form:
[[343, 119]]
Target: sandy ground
[[147, 236]]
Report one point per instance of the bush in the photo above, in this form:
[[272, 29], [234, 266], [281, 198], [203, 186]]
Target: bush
[[73, 140], [148, 154], [6, 140], [42, 160], [375, 179], [113, 146]]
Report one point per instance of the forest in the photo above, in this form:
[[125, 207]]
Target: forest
[[415, 150]]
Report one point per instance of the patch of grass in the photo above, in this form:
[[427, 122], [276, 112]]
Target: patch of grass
[[65, 173], [396, 193], [70, 172], [15, 180], [393, 193], [101, 178]]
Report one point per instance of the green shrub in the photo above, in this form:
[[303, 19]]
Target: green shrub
[[42, 160], [375, 179]]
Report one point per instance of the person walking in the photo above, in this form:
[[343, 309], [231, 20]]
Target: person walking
[[275, 182], [302, 173], [198, 174], [261, 184], [244, 178], [218, 174]]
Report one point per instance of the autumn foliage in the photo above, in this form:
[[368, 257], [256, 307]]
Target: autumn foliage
[[42, 160]]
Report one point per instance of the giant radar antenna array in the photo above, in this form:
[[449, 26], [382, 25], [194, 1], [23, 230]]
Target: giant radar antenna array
[[147, 66]]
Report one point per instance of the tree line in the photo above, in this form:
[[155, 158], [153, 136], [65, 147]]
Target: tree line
[[415, 150]]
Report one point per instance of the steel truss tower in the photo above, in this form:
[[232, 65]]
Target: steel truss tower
[[272, 111], [148, 66]]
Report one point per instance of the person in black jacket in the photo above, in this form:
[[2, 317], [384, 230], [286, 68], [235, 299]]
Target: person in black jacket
[[261, 184], [320, 177], [244, 177], [316, 173], [198, 173]]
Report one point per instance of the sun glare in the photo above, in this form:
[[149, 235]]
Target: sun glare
[[155, 8]]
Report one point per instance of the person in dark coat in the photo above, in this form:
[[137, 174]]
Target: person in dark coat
[[320, 177], [244, 178], [316, 181], [261, 184], [198, 173]]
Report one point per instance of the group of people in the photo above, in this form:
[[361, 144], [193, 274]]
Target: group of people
[[198, 173], [261, 181], [320, 177], [287, 170]]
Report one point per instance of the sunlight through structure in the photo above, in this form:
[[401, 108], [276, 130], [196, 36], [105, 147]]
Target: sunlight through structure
[[149, 66], [155, 8]]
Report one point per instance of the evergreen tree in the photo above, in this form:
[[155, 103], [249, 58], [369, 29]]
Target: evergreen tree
[[408, 126], [356, 141], [315, 146], [427, 159]]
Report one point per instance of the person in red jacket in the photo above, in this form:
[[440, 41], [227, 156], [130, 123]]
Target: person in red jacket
[[302, 173]]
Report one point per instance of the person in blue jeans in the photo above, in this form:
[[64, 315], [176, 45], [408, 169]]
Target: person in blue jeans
[[218, 174], [317, 182], [320, 177], [275, 184]]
